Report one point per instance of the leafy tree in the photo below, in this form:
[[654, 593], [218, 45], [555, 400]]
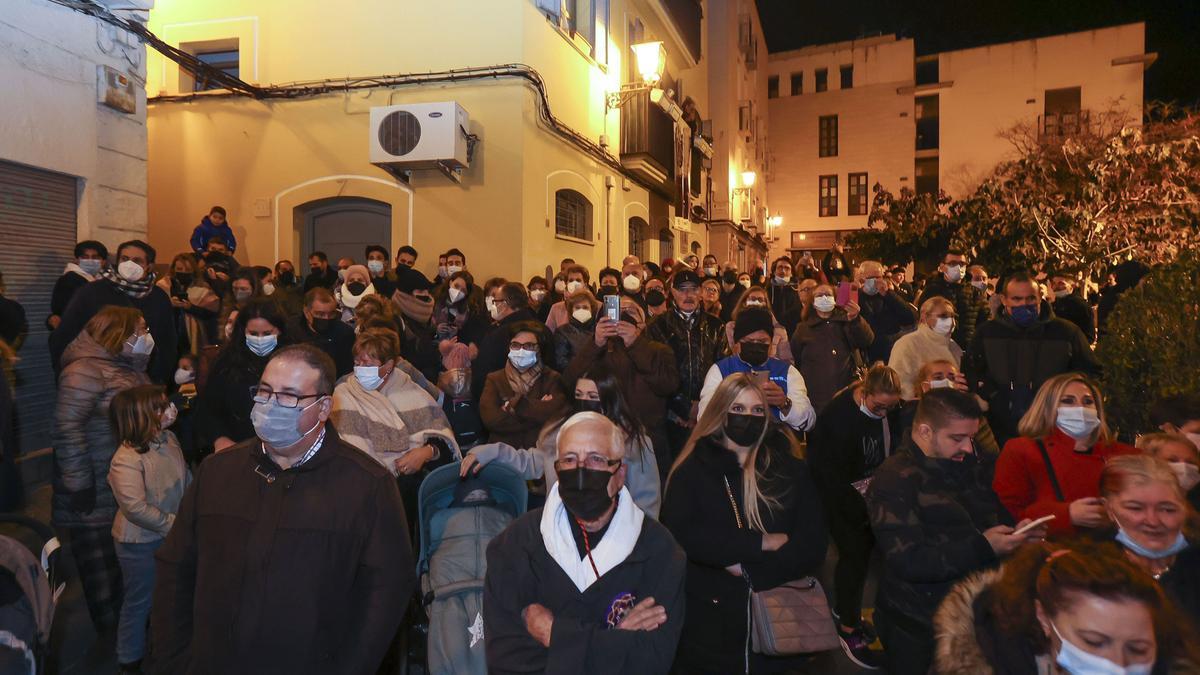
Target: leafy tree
[[905, 227]]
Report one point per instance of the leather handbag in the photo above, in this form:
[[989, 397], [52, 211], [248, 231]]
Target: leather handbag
[[792, 618]]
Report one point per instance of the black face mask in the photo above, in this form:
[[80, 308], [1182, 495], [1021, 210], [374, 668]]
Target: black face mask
[[287, 278], [729, 278], [322, 325], [586, 405], [356, 287], [584, 492], [184, 278], [744, 429], [755, 353], [609, 290], [655, 298], [316, 271]]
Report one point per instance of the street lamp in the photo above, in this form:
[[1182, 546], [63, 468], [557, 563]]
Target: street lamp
[[775, 220], [650, 59], [748, 178]]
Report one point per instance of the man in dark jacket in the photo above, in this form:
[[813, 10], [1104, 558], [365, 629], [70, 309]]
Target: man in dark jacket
[[887, 313], [552, 603], [1071, 306], [214, 226], [290, 551], [1013, 354], [835, 265], [698, 341], [509, 305], [320, 325], [319, 272], [782, 295], [970, 304], [936, 520], [130, 284], [731, 292], [90, 257]]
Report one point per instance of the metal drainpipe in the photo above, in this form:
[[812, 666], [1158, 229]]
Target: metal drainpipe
[[608, 199]]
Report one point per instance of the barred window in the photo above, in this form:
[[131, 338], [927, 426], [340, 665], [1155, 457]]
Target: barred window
[[572, 215]]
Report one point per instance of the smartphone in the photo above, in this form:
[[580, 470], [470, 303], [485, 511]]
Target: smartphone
[[762, 377], [1032, 524], [846, 294], [612, 307]]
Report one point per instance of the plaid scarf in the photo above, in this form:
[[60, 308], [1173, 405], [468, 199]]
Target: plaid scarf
[[522, 381], [134, 289]]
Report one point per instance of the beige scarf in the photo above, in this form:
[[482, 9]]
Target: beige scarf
[[522, 382]]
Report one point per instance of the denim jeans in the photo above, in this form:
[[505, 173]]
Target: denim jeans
[[137, 568]]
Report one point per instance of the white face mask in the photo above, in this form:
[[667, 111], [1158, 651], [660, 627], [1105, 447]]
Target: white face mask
[[631, 283], [537, 295], [169, 415], [183, 376], [582, 315], [453, 269], [710, 271], [268, 288], [522, 359], [1188, 474], [755, 302], [573, 286], [368, 377], [954, 273], [941, 384], [376, 266], [560, 286], [142, 345], [824, 303], [131, 271], [1078, 422], [455, 295], [981, 285], [944, 326], [745, 283]]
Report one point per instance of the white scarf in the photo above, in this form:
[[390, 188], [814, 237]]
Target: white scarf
[[350, 300], [74, 267], [616, 545]]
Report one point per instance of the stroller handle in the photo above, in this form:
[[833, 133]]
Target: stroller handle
[[44, 531]]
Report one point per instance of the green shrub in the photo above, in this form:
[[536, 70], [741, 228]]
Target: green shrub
[[1152, 348]]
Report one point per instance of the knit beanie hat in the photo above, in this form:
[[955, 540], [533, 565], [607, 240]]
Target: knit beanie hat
[[751, 320]]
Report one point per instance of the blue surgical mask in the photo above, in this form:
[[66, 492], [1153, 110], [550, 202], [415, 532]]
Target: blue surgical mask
[[368, 377], [1125, 540], [275, 425], [91, 267], [262, 345], [867, 411], [376, 266], [1076, 661], [1024, 315], [1078, 422], [522, 359], [869, 287]]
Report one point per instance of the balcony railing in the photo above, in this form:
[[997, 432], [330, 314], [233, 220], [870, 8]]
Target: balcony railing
[[648, 141], [1060, 125]]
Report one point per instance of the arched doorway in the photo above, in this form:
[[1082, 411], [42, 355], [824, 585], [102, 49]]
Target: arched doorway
[[342, 227], [666, 243], [639, 232]]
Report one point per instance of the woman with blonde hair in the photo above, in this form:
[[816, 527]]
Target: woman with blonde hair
[[931, 341], [1053, 467], [1178, 451], [747, 514], [756, 296], [1155, 525]]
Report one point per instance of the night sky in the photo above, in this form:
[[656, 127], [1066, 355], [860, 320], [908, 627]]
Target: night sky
[[1172, 28]]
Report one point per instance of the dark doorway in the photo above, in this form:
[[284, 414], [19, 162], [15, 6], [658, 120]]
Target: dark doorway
[[344, 226]]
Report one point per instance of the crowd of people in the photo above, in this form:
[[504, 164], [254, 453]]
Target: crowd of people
[[240, 450]]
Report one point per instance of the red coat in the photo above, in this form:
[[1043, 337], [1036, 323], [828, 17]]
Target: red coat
[[1024, 486]]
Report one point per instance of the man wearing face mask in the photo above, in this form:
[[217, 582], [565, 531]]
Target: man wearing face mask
[[752, 353], [970, 303], [835, 265], [731, 292], [887, 313], [90, 258], [129, 284], [320, 273], [320, 325], [1071, 306], [288, 290], [290, 551], [381, 277], [510, 305], [936, 521], [1013, 354], [586, 583], [631, 281], [781, 293], [656, 298], [577, 279]]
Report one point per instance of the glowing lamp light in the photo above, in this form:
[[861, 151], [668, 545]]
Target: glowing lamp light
[[775, 220], [651, 60], [748, 178]]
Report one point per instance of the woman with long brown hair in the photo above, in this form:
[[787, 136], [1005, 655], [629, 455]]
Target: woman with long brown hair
[[746, 512]]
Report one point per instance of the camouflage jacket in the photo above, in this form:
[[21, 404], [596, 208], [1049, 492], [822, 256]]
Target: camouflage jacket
[[928, 516]]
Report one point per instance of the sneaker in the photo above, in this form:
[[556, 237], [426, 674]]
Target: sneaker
[[865, 626], [858, 649]]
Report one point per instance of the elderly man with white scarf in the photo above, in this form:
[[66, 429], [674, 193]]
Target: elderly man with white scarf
[[587, 583]]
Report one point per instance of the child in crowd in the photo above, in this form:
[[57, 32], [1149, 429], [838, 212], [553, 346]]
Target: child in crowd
[[183, 397]]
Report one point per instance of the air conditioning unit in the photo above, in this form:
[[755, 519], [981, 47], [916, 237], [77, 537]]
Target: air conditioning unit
[[421, 136]]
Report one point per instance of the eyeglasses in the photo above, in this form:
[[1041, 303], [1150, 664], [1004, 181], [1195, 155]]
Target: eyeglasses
[[261, 394], [525, 346], [593, 461]]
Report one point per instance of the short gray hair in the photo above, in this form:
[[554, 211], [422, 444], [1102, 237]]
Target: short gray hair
[[617, 437]]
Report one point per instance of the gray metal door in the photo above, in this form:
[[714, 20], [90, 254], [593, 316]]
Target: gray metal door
[[37, 240], [343, 227]]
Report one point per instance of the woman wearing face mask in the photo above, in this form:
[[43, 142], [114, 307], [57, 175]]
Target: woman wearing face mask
[[824, 345], [196, 306], [1181, 454], [458, 310], [931, 341], [1050, 609], [520, 398], [223, 407], [757, 297], [383, 412], [539, 300], [939, 374], [1155, 525], [597, 391], [747, 515], [578, 331], [356, 285], [108, 356], [1054, 467], [244, 286]]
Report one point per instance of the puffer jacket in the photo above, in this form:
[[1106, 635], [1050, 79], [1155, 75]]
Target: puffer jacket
[[970, 304], [697, 343], [82, 437]]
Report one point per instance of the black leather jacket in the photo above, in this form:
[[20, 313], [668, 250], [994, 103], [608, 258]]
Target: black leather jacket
[[698, 343]]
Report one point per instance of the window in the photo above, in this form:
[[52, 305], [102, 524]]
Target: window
[[927, 70], [572, 215], [927, 122], [856, 200], [225, 60], [822, 79], [797, 84], [773, 86], [1062, 116], [828, 143], [848, 76], [666, 243], [927, 176], [828, 196], [585, 19]]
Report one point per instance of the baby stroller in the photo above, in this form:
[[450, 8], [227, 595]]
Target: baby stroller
[[28, 592], [458, 519]]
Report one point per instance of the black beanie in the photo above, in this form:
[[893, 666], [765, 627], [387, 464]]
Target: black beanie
[[751, 320]]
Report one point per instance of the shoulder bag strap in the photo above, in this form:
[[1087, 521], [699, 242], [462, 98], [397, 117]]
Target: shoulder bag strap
[[1058, 493]]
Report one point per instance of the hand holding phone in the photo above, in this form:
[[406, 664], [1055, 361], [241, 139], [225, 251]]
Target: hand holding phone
[[1032, 524], [846, 293], [612, 307]]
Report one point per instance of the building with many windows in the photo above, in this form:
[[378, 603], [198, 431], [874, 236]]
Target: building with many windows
[[849, 115]]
